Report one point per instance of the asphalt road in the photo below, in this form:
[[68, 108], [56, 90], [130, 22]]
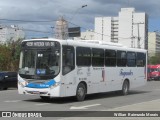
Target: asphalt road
[[10, 100]]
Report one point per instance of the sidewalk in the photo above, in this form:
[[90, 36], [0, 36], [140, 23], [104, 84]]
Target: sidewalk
[[153, 105]]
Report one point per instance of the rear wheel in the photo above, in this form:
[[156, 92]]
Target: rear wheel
[[81, 92], [125, 88]]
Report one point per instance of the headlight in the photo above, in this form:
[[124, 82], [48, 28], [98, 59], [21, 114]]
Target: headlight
[[55, 85], [22, 83]]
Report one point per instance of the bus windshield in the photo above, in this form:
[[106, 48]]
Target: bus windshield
[[39, 63]]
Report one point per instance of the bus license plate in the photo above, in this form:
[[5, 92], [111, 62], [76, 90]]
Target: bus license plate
[[35, 92]]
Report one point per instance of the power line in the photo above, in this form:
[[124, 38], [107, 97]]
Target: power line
[[36, 30], [94, 31], [24, 29], [15, 20]]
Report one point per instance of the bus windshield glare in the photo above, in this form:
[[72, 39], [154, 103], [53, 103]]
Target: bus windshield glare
[[39, 62]]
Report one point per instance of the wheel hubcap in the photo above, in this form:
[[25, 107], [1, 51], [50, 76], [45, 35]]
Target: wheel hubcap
[[125, 88], [80, 92]]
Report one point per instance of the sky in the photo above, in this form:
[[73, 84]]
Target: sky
[[49, 11]]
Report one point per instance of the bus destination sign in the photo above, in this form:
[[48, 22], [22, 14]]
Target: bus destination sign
[[40, 44]]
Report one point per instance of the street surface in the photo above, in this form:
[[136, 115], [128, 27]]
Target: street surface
[[138, 99]]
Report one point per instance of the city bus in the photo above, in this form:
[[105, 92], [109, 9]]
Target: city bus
[[53, 68]]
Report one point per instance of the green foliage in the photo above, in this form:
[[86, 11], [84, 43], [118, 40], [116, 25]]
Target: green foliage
[[9, 56], [154, 60]]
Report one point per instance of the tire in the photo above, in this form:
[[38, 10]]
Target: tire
[[81, 92], [45, 98], [125, 88]]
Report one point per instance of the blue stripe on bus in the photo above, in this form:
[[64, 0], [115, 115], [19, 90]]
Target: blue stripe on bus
[[41, 85]]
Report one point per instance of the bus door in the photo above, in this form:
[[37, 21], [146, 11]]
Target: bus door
[[68, 72], [98, 71]]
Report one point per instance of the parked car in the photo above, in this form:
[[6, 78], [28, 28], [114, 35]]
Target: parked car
[[8, 79], [149, 72], [154, 72]]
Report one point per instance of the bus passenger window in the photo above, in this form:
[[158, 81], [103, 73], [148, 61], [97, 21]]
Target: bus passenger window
[[97, 57], [83, 57], [110, 57], [68, 59], [131, 59], [141, 57], [121, 58]]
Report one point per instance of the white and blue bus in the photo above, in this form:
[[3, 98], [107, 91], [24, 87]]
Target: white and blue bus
[[60, 68]]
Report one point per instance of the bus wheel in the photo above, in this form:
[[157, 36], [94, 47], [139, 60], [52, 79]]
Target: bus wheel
[[81, 92], [45, 98], [125, 88]]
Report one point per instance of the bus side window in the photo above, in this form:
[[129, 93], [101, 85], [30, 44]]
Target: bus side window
[[131, 59], [68, 59], [141, 59], [121, 58]]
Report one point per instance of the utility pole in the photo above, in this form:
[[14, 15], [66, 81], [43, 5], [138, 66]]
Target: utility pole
[[138, 38], [132, 42], [76, 12], [52, 32], [102, 28]]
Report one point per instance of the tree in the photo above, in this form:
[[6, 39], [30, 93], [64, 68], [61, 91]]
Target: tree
[[154, 59], [9, 56]]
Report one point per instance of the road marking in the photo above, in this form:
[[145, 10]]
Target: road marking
[[43, 104], [84, 107], [131, 105], [12, 101]]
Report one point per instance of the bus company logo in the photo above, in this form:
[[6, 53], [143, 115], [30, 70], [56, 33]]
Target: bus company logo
[[124, 73], [6, 114]]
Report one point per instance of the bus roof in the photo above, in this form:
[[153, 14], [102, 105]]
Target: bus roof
[[91, 43]]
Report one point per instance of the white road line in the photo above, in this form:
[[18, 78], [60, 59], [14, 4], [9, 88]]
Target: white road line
[[43, 104], [12, 101], [84, 107]]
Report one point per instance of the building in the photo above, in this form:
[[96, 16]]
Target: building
[[130, 28], [153, 43], [10, 33], [106, 28], [87, 35], [61, 29]]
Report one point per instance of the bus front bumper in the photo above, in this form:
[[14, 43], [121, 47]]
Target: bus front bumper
[[52, 92]]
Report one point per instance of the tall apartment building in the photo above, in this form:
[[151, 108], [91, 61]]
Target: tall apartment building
[[130, 28], [10, 33], [153, 43]]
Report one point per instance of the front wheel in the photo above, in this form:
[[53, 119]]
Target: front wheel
[[125, 88], [81, 92]]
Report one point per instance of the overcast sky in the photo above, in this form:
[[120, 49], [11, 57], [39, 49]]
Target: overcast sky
[[51, 10]]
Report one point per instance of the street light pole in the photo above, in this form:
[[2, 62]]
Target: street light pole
[[52, 31], [83, 6], [138, 38]]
